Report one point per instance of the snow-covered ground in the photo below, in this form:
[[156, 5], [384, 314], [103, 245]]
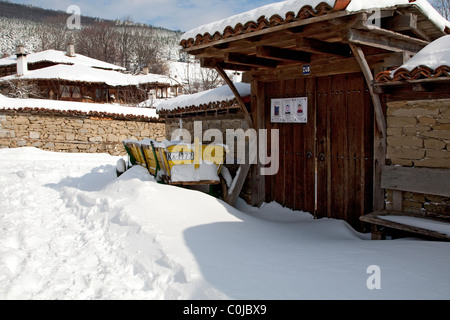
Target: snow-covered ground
[[71, 230]]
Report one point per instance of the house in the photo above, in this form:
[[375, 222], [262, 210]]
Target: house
[[68, 76], [326, 55]]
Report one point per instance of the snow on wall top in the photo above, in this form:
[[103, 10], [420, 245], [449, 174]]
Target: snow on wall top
[[78, 107], [220, 94], [282, 8], [60, 57], [433, 61], [82, 73], [433, 56]]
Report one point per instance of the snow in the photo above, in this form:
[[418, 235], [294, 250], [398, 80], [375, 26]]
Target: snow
[[60, 57], [72, 230], [189, 173], [281, 8], [220, 94], [81, 73], [433, 56], [14, 104], [437, 226]]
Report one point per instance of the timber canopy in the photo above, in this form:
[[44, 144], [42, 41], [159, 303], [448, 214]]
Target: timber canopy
[[283, 36]]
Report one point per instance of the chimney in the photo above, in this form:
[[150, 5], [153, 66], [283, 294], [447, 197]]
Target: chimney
[[22, 64], [70, 50], [145, 70]]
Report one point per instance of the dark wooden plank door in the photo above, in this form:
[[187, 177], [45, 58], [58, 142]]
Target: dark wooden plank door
[[294, 184], [325, 165], [345, 148]]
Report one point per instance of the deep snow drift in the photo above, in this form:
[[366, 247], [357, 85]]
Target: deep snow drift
[[71, 230]]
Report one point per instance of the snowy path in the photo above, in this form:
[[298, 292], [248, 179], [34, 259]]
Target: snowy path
[[70, 230], [47, 250]]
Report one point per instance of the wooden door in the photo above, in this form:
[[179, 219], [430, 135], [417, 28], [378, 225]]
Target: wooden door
[[344, 148], [326, 165], [294, 185]]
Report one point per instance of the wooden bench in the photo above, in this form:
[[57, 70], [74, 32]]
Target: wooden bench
[[417, 180]]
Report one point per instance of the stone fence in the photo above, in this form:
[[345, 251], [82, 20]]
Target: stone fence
[[72, 133], [419, 136]]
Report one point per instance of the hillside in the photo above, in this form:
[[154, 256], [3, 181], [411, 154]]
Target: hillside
[[41, 29], [31, 13]]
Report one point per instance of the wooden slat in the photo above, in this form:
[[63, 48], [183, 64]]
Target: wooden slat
[[309, 144], [418, 180], [324, 144], [376, 218]]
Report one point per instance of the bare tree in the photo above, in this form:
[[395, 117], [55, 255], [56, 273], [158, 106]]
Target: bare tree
[[21, 89], [147, 50], [443, 6], [99, 41]]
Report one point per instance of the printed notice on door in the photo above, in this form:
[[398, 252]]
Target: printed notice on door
[[290, 110]]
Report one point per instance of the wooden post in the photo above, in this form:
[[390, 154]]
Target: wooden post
[[380, 138], [258, 115], [244, 168], [238, 97]]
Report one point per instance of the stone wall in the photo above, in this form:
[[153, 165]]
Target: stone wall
[[419, 136], [71, 133]]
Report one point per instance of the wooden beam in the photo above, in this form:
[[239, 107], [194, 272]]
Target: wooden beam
[[238, 97], [321, 47], [403, 22], [382, 40], [212, 63], [232, 198], [380, 135], [417, 180], [282, 54], [253, 61], [379, 114]]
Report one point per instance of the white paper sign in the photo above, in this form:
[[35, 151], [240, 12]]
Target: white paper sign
[[290, 110], [277, 109]]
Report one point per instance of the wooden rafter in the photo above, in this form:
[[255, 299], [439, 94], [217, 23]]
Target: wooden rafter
[[282, 54], [385, 39], [253, 61], [321, 47]]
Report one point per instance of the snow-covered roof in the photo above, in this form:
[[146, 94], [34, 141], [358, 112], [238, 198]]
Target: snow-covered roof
[[314, 7], [79, 108], [83, 73], [60, 57], [433, 61], [220, 94]]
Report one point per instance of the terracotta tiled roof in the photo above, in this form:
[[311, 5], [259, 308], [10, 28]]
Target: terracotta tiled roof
[[212, 106], [421, 72], [263, 22], [90, 114]]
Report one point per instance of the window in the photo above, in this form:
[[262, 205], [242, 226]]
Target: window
[[65, 92], [76, 93]]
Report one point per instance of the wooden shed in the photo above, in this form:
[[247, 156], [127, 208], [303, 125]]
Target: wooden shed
[[327, 54]]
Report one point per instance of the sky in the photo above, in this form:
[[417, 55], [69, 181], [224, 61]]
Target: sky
[[181, 15]]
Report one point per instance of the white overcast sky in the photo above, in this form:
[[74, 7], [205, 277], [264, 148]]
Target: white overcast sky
[[172, 14]]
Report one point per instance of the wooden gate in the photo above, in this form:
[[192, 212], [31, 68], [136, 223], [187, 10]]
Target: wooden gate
[[326, 166]]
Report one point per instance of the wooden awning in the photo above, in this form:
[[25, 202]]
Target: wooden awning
[[319, 37]]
